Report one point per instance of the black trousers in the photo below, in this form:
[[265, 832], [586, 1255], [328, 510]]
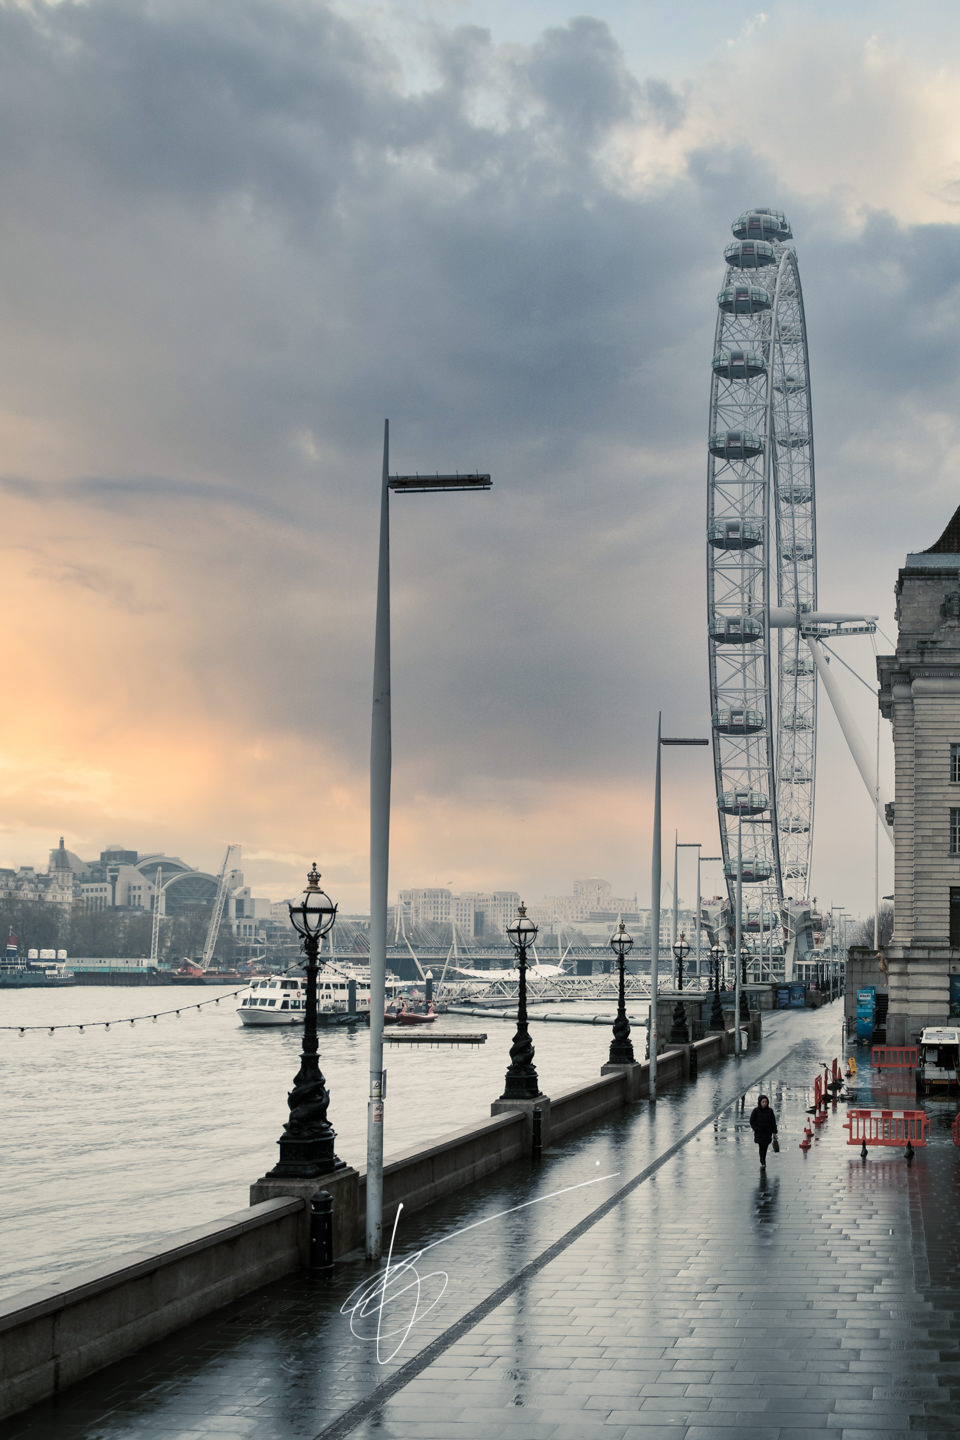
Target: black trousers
[[764, 1146]]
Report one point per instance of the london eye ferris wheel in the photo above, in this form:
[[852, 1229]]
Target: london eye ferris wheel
[[762, 576]]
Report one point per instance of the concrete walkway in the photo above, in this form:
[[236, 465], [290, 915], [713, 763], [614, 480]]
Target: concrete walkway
[[648, 1281]]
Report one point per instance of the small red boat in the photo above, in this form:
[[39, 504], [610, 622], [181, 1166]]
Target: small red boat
[[416, 1017]]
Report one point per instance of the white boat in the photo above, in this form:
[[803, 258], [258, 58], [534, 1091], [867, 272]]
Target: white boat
[[282, 999], [277, 1000]]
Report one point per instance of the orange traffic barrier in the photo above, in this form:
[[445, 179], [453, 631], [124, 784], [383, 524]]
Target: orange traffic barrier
[[887, 1127], [893, 1057]]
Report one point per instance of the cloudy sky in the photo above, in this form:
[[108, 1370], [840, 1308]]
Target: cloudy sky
[[238, 234]]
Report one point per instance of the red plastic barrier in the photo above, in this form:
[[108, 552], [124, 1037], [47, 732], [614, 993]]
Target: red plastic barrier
[[894, 1057], [955, 1130], [887, 1127], [817, 1090]]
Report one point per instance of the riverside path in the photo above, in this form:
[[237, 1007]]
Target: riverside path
[[645, 1279]]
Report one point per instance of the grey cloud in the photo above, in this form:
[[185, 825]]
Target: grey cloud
[[229, 224]]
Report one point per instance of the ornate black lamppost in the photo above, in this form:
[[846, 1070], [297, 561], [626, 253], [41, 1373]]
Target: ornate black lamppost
[[521, 1078], [716, 1013], [681, 950], [621, 1046], [744, 1010], [306, 1145]]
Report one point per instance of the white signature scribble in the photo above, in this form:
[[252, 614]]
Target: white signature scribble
[[368, 1303]]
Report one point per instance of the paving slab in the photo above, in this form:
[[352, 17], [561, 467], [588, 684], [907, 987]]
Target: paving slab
[[644, 1279]]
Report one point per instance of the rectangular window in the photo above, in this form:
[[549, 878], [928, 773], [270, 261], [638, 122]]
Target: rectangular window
[[955, 764], [955, 832], [954, 923]]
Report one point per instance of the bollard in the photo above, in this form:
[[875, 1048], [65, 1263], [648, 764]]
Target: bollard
[[692, 1052], [320, 1256], [537, 1132]]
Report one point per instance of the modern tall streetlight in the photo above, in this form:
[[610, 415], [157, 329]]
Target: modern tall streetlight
[[521, 1081], [380, 766], [655, 905], [306, 1145], [701, 860], [621, 1046]]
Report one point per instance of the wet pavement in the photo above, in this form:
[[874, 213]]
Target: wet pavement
[[646, 1279]]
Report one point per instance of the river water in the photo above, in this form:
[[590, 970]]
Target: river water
[[113, 1139]]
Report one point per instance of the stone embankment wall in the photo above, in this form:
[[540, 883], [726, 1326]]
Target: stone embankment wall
[[52, 1337]]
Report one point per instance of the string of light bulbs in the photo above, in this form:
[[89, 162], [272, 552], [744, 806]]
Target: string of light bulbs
[[128, 1020]]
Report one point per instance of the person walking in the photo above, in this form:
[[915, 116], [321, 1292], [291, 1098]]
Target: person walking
[[763, 1123]]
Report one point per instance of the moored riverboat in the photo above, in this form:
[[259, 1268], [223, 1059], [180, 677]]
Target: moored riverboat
[[343, 998]]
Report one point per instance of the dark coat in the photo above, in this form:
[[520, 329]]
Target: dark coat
[[763, 1123]]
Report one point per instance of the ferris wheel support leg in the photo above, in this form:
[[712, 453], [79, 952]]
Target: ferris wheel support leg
[[855, 742]]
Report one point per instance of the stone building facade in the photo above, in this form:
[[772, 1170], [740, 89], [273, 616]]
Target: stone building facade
[[920, 695]]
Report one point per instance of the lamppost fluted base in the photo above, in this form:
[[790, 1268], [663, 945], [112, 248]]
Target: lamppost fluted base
[[621, 1053], [717, 1021], [521, 1086], [305, 1158]]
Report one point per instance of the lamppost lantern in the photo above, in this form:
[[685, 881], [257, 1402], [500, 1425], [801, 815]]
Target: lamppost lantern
[[522, 933], [621, 1046], [314, 917], [622, 941]]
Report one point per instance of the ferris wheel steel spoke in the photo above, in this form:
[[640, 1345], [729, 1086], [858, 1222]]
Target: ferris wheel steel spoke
[[762, 561]]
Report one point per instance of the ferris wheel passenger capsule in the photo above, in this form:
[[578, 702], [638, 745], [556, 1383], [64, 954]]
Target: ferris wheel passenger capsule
[[803, 550], [736, 629], [761, 224], [753, 869], [742, 802], [738, 722], [750, 254], [797, 720], [797, 493], [738, 364], [788, 384], [743, 299], [735, 444], [795, 439], [734, 534]]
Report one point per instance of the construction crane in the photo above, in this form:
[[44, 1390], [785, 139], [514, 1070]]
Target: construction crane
[[213, 929], [157, 911]]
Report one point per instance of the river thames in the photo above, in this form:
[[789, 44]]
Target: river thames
[[117, 1138]]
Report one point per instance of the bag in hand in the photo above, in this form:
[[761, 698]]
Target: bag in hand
[[776, 1146]]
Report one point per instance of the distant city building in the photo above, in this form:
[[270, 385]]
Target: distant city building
[[122, 879]]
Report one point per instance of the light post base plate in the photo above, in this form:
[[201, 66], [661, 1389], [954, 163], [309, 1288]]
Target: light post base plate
[[504, 1106], [343, 1185]]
